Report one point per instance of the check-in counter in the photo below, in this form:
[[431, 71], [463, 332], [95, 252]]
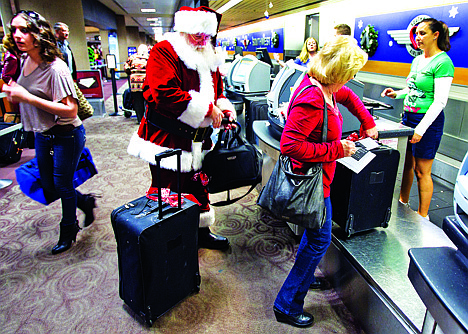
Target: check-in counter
[[391, 133]]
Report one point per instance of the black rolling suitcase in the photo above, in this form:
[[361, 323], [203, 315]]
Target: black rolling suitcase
[[157, 248], [363, 201]]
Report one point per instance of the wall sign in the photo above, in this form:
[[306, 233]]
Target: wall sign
[[273, 40], [396, 30]]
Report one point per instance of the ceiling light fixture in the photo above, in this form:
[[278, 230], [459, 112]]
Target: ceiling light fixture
[[152, 19], [227, 6], [267, 15], [148, 10]]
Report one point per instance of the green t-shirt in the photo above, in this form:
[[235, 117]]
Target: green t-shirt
[[421, 83]]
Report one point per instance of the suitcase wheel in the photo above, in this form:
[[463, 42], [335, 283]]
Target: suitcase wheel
[[149, 317], [127, 114], [384, 224], [149, 322], [197, 283]]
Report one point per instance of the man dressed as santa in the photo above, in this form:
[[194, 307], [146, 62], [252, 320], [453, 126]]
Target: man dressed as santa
[[184, 93]]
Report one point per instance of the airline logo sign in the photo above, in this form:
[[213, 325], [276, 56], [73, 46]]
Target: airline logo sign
[[406, 37], [396, 32]]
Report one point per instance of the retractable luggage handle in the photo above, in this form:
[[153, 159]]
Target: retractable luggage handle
[[158, 158]]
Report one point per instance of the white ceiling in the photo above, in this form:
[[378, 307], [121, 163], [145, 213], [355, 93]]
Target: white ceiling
[[247, 11], [131, 9]]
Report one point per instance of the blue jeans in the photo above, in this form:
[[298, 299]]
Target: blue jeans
[[57, 159], [314, 244]]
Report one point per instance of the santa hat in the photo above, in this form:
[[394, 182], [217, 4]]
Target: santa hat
[[197, 20]]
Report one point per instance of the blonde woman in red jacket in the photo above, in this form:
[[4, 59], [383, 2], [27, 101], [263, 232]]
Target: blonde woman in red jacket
[[333, 66]]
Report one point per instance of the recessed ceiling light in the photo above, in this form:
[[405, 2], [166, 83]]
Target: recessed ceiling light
[[148, 10], [152, 19]]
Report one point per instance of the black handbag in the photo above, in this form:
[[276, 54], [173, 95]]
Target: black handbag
[[297, 199], [231, 164], [12, 141]]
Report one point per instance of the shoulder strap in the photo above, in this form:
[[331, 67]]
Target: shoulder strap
[[325, 112]]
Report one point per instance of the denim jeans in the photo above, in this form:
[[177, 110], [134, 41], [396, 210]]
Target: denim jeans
[[314, 244], [57, 159]]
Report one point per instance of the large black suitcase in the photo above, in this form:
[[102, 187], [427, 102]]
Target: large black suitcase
[[157, 248], [12, 142], [363, 201]]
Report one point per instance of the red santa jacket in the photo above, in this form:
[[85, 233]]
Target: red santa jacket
[[181, 83]]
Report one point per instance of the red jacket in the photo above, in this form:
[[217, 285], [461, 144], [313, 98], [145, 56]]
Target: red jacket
[[182, 84], [302, 132]]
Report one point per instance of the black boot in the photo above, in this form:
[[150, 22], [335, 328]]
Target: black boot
[[67, 237], [206, 239], [87, 205]]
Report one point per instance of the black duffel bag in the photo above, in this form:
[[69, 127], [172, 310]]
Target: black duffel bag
[[231, 164]]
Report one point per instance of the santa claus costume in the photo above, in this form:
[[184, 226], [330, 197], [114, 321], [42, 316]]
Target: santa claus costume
[[182, 84]]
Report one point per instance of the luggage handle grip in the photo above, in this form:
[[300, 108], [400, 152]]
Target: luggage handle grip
[[158, 157]]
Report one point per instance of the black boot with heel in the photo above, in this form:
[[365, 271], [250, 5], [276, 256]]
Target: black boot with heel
[[87, 205], [67, 237]]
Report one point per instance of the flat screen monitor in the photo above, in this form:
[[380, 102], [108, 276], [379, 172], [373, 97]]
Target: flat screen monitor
[[238, 51], [350, 122], [263, 55]]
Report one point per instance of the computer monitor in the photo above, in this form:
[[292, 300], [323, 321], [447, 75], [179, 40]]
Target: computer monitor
[[263, 55], [281, 88], [238, 51], [350, 122]]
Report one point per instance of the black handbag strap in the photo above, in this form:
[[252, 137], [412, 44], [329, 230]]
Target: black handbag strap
[[325, 112], [234, 200], [283, 160]]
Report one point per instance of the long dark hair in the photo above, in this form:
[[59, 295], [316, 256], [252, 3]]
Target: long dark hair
[[443, 41], [42, 32]]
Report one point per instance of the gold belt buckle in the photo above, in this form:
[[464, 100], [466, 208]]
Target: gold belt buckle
[[199, 134]]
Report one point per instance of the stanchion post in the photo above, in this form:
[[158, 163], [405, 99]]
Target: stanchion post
[[112, 65]]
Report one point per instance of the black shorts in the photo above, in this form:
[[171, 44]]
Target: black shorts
[[427, 147]]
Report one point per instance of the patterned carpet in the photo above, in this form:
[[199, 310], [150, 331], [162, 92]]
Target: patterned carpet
[[77, 291]]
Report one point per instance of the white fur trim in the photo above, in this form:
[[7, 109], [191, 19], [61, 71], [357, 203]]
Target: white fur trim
[[196, 110], [146, 151], [207, 218], [194, 59], [193, 22], [225, 104]]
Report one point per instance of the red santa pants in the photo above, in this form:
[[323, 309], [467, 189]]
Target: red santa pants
[[188, 185]]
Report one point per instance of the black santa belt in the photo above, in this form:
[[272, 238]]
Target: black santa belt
[[178, 128]]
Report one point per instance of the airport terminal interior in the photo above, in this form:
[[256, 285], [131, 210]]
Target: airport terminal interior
[[389, 270]]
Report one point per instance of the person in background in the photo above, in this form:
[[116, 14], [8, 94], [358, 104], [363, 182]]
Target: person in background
[[309, 49], [184, 93], [426, 94], [11, 69], [342, 30], [333, 66], [48, 105], [136, 67], [61, 33], [12, 63]]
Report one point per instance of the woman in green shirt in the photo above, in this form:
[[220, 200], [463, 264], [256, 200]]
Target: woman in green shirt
[[426, 94]]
